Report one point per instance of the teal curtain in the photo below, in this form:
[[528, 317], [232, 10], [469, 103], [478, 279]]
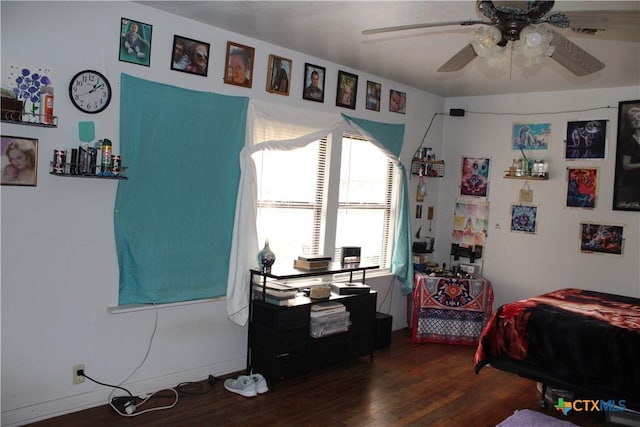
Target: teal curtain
[[390, 137], [173, 217]]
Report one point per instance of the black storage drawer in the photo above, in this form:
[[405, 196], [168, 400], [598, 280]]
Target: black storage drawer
[[287, 341], [280, 318], [328, 350], [282, 366]]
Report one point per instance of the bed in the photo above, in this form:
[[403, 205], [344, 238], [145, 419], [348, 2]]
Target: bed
[[572, 339]]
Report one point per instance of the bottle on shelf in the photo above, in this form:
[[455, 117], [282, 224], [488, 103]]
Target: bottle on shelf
[[105, 157]]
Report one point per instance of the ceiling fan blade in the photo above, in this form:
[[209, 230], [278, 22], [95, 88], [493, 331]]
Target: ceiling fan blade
[[603, 19], [573, 57], [459, 60], [424, 25]]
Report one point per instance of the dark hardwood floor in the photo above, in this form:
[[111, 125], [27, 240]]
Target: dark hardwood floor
[[406, 385]]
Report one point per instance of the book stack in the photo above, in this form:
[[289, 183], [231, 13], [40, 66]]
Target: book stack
[[309, 263], [328, 318], [274, 292]]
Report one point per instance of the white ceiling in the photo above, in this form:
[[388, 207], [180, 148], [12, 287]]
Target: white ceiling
[[332, 31]]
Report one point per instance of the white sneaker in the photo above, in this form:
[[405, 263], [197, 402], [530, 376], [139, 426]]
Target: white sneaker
[[260, 382], [243, 385]]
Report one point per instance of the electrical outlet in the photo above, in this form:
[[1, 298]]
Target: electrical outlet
[[78, 379]]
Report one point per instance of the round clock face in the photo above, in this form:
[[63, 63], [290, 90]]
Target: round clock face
[[90, 91]]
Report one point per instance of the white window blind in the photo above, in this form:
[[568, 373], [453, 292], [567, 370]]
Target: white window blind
[[316, 199]]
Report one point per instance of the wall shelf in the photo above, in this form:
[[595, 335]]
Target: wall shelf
[[429, 168], [532, 178], [27, 119], [64, 170]]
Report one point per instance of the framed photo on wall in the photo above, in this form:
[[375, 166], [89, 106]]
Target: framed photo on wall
[[135, 42], [239, 65], [601, 238], [626, 190], [586, 139], [531, 136], [19, 160], [524, 218], [582, 187], [313, 82], [278, 72], [347, 90], [397, 101], [475, 176], [190, 56], [373, 96]]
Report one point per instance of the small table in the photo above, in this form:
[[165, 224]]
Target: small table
[[450, 310]]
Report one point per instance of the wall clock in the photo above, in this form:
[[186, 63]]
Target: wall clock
[[90, 91]]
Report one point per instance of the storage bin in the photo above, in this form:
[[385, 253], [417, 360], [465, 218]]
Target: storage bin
[[329, 324]]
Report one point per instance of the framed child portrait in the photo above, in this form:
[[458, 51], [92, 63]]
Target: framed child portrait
[[190, 56], [346, 90], [373, 96], [135, 42], [397, 101], [278, 72], [19, 160], [313, 82], [239, 65]]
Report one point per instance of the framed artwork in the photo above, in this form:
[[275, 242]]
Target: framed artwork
[[531, 136], [278, 72], [190, 56], [601, 238], [626, 191], [524, 218], [313, 82], [346, 90], [418, 211], [586, 139], [470, 221], [397, 101], [373, 96], [19, 160], [135, 42], [239, 65], [475, 177], [582, 187]]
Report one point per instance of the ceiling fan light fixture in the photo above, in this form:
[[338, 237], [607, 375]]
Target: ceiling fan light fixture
[[485, 44], [534, 44]]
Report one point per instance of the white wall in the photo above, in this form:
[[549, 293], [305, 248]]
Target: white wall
[[522, 265], [59, 268]]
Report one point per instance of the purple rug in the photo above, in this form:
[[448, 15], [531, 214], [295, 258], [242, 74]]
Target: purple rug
[[529, 418]]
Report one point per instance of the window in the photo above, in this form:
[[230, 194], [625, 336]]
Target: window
[[316, 199]]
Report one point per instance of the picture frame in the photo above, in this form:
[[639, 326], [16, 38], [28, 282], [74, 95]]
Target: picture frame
[[626, 190], [373, 96], [582, 187], [524, 218], [397, 101], [531, 136], [190, 56], [279, 75], [346, 90], [601, 238], [586, 139], [239, 65], [19, 160], [474, 179], [314, 76], [135, 42]]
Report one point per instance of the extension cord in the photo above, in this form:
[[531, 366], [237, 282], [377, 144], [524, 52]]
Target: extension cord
[[124, 404]]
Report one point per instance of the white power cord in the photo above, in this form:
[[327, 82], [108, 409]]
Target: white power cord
[[130, 407]]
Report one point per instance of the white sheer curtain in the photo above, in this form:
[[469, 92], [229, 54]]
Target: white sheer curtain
[[264, 121]]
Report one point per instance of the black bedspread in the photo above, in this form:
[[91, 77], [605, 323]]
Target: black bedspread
[[584, 341]]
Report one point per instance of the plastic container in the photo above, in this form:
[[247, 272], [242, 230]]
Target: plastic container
[[329, 324]]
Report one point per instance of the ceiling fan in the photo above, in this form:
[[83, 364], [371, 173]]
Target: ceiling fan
[[528, 25]]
